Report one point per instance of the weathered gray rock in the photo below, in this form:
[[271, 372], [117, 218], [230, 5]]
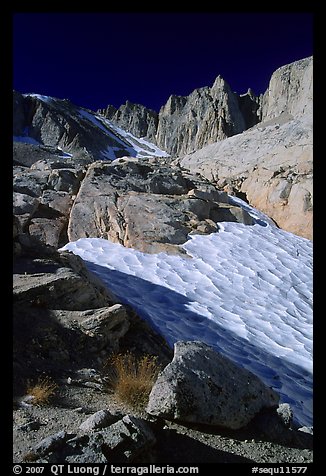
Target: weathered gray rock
[[186, 123], [89, 456], [24, 204], [100, 419], [202, 386], [106, 325], [103, 295], [134, 118], [272, 163], [59, 123], [87, 375], [59, 201], [57, 286], [124, 441], [205, 116], [128, 440], [29, 155], [30, 182], [65, 180], [62, 316], [51, 443], [150, 207], [290, 91], [213, 195], [44, 193]]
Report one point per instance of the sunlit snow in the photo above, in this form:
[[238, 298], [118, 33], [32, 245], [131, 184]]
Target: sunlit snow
[[246, 291]]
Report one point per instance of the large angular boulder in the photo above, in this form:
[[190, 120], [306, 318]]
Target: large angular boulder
[[148, 206], [202, 386]]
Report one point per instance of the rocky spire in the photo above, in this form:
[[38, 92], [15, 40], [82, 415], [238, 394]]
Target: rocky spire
[[186, 123]]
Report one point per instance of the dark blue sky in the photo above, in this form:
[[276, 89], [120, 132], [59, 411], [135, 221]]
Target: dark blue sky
[[95, 59]]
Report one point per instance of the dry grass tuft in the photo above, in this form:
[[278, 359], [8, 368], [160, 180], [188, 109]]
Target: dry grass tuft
[[30, 457], [41, 391], [132, 378]]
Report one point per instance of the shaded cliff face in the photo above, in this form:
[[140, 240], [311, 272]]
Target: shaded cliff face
[[19, 120], [272, 163], [58, 123], [187, 123]]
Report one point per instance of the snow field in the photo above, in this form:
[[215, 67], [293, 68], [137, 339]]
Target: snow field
[[245, 290]]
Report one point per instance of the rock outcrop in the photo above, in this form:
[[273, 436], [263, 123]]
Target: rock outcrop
[[45, 186], [187, 123], [148, 206], [205, 116], [128, 440], [61, 314], [134, 118], [272, 163], [19, 119], [202, 386]]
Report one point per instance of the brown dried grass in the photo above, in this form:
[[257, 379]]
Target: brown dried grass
[[42, 391], [131, 378]]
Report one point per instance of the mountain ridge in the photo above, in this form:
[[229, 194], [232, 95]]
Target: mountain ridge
[[59, 123], [187, 122], [222, 112]]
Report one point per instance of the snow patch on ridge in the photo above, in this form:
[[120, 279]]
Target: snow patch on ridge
[[247, 292]]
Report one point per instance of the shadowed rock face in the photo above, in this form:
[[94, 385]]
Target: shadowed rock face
[[290, 91], [45, 185], [202, 386], [62, 314], [59, 123], [150, 207], [270, 164]]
